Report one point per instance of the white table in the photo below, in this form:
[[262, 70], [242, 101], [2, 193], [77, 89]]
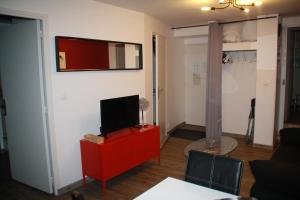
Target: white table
[[175, 189]]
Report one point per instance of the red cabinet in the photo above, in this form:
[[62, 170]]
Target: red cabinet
[[121, 151]]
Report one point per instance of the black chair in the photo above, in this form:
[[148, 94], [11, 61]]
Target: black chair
[[213, 171]]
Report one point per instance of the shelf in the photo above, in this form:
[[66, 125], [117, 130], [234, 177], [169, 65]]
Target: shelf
[[125, 149], [240, 46]]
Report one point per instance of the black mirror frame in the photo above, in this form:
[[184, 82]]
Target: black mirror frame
[[58, 69]]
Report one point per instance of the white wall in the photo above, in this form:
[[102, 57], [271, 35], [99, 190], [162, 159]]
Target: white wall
[[191, 32], [174, 69], [238, 78], [175, 82], [265, 85], [152, 26], [195, 56], [238, 88], [241, 31], [287, 22], [76, 95], [267, 30]]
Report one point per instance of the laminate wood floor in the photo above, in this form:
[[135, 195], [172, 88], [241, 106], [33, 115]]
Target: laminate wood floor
[[138, 180]]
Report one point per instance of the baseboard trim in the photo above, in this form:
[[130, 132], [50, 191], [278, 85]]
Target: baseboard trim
[[263, 146], [72, 186], [235, 135], [162, 144], [168, 134], [175, 127], [291, 125], [238, 136]]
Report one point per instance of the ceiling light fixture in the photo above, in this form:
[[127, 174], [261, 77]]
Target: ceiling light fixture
[[239, 4]]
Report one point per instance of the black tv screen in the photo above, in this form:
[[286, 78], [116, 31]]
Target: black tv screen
[[118, 113]]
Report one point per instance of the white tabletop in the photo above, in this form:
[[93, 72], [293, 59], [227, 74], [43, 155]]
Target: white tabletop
[[175, 189]]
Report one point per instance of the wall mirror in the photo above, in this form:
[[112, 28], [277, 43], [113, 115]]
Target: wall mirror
[[79, 54]]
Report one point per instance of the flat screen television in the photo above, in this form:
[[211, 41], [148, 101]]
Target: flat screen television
[[118, 113]]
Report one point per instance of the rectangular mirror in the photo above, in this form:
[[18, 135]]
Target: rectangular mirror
[[79, 54]]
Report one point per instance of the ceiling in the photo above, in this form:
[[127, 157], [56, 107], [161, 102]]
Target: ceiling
[[187, 12]]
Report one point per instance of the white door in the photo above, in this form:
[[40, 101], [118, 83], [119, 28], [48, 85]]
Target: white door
[[161, 79], [21, 71]]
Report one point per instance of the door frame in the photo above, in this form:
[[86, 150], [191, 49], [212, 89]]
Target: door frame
[[289, 71], [156, 89], [154, 79], [46, 83]]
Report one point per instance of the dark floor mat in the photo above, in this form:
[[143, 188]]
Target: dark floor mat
[[187, 134]]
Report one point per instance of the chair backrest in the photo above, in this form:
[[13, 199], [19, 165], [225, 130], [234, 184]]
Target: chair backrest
[[213, 171], [199, 168]]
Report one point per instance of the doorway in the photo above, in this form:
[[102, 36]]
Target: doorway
[[154, 80], [4, 158], [159, 84], [292, 105], [25, 117]]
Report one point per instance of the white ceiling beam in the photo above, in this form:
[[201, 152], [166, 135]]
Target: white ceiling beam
[[193, 31], [198, 40]]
